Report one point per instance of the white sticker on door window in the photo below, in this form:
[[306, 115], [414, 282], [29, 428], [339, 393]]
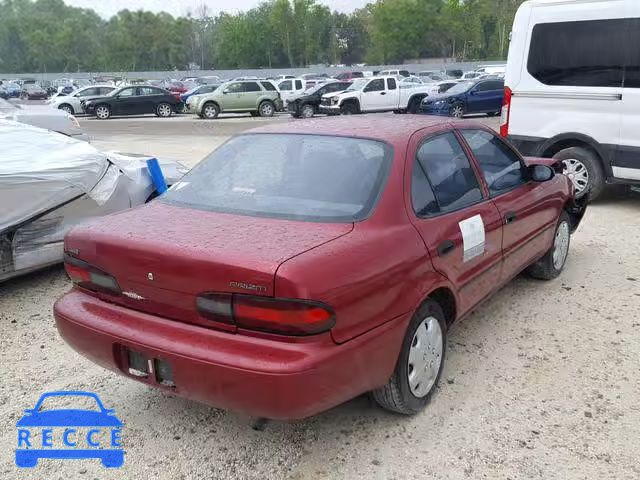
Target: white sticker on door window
[[472, 237]]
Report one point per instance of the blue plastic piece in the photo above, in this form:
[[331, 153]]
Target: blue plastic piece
[[156, 175]]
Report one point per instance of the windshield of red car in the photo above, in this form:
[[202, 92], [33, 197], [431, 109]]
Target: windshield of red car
[[300, 177]]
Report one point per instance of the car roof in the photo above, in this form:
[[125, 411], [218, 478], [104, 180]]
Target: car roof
[[394, 129]]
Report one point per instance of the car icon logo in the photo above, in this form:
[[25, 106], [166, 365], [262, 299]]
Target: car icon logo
[[102, 427]]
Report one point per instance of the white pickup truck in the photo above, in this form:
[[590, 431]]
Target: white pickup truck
[[377, 94]]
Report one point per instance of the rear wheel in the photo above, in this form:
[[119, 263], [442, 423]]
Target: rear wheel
[[419, 364], [414, 105], [210, 110], [164, 110], [551, 265], [583, 168], [103, 112], [266, 109], [348, 109]]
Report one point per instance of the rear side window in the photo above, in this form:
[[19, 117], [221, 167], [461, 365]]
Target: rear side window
[[251, 87], [391, 83], [268, 86], [303, 177], [449, 171], [298, 84], [582, 54], [490, 85], [89, 92], [500, 166]]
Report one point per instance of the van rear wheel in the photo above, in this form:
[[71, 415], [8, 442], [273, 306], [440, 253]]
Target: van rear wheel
[[583, 168]]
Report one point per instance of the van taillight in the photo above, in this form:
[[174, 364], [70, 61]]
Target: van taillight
[[87, 276], [266, 314], [506, 111]]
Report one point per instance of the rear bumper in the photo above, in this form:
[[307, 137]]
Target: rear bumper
[[260, 377]]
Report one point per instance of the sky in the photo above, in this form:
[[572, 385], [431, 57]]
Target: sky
[[107, 8]]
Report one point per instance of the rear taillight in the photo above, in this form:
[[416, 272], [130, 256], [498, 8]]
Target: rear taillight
[[506, 111], [272, 315], [87, 276]]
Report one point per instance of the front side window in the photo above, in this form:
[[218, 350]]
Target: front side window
[[391, 83], [449, 171], [500, 166], [127, 92], [583, 54], [375, 85], [268, 86], [303, 177]]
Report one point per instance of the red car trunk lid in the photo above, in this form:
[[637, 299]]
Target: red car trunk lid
[[164, 256]]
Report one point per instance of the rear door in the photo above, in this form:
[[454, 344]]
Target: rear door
[[249, 96], [460, 226], [485, 97], [393, 93], [528, 210]]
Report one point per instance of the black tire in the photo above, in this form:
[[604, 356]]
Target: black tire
[[307, 110], [546, 268], [266, 109], [210, 111], [592, 164], [164, 110], [457, 110], [396, 395], [414, 105], [254, 114], [181, 107], [349, 108], [65, 107]]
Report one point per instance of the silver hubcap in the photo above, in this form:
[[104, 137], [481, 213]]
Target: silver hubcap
[[102, 112], [561, 246], [210, 111], [266, 109], [164, 110], [425, 357], [577, 173], [457, 111]]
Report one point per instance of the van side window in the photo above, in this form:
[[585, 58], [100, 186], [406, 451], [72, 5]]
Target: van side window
[[449, 171], [582, 54], [500, 166]]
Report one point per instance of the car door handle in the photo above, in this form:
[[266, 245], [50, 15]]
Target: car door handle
[[383, 93], [509, 217], [446, 247]]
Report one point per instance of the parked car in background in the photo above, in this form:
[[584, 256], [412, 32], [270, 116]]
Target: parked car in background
[[471, 75], [312, 79], [291, 88], [376, 94], [132, 100], [436, 88], [199, 90], [281, 77], [453, 73], [348, 76], [369, 238], [481, 96], [410, 81], [254, 97], [13, 89], [3, 93], [71, 103], [572, 89], [53, 183], [394, 73], [497, 70], [175, 86], [44, 117], [308, 104]]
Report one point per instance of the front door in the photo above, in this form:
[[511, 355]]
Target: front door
[[232, 96], [374, 96], [486, 97], [528, 212], [125, 102], [460, 225]]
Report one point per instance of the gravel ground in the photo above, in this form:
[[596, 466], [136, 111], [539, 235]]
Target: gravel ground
[[541, 382]]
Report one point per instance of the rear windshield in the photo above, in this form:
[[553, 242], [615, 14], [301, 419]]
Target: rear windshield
[[301, 177]]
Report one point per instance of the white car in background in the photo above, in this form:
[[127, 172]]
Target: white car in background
[[42, 116], [411, 81], [440, 87], [71, 103]]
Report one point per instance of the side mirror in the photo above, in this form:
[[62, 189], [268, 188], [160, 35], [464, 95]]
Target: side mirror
[[225, 91], [541, 173]]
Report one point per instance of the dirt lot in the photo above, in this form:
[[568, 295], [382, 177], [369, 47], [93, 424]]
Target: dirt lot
[[541, 382]]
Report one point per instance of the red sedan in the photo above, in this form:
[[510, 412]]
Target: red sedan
[[301, 265]]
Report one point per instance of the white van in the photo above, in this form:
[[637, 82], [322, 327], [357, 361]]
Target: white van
[[572, 88]]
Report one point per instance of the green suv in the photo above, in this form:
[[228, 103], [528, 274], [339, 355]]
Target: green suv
[[258, 97]]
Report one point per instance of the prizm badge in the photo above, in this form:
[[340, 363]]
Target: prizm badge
[[133, 295], [150, 276], [248, 286]]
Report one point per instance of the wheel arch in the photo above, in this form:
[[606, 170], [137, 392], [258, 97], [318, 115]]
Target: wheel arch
[[68, 105], [445, 297], [573, 139], [351, 101], [215, 102]]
